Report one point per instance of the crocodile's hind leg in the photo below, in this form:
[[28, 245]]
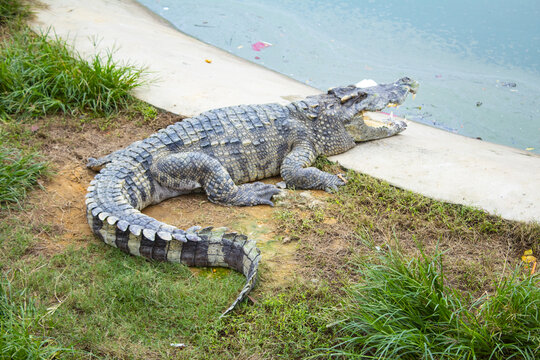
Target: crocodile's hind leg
[[175, 169]]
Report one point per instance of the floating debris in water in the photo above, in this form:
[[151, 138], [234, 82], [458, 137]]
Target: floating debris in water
[[509, 84], [259, 45], [478, 103]]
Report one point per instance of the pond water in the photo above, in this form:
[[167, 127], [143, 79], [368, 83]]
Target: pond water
[[478, 62]]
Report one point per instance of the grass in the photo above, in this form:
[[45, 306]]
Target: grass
[[290, 323], [39, 76], [21, 330], [368, 208], [18, 173], [115, 306], [111, 305], [403, 310], [12, 11]]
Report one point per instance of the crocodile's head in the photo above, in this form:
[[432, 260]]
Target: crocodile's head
[[350, 102]]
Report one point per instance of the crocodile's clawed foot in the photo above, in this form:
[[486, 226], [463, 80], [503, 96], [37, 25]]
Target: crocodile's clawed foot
[[256, 193], [335, 181]]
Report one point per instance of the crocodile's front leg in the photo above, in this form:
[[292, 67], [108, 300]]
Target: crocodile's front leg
[[176, 169], [297, 175]]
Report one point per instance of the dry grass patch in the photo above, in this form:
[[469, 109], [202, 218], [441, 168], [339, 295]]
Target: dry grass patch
[[477, 247]]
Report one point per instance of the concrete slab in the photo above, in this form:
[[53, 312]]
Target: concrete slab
[[429, 161]]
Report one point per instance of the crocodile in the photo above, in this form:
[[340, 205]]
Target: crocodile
[[223, 152]]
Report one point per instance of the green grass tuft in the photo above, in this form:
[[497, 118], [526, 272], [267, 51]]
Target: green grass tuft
[[18, 172], [19, 323], [288, 325], [403, 310], [40, 76], [12, 11], [148, 111]]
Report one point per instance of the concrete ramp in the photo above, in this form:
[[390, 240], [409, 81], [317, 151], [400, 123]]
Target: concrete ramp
[[190, 77]]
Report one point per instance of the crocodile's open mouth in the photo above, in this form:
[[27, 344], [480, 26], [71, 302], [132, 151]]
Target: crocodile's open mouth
[[366, 118], [356, 100], [377, 122], [364, 126]]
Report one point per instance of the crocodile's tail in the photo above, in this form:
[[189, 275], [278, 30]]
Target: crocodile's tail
[[112, 204]]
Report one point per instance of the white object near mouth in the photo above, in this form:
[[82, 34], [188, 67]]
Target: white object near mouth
[[366, 83]]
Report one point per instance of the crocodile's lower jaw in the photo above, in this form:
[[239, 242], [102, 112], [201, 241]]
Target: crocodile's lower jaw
[[364, 127]]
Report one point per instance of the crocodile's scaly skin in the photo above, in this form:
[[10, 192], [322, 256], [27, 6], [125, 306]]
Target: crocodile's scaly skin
[[222, 151]]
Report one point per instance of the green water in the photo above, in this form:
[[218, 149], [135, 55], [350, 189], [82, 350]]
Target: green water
[[478, 62]]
